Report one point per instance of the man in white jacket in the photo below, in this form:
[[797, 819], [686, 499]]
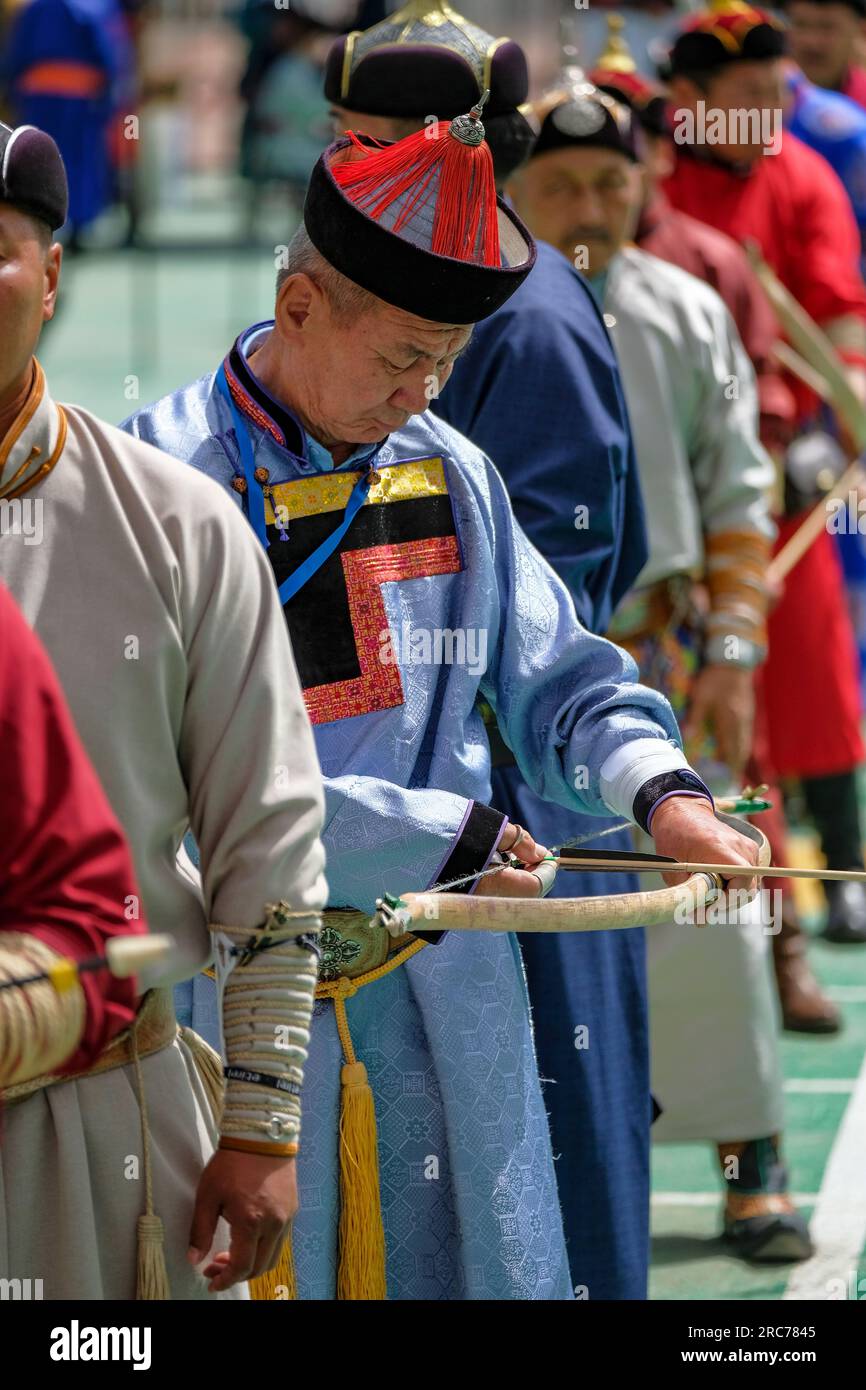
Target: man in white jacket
[[695, 622], [158, 610]]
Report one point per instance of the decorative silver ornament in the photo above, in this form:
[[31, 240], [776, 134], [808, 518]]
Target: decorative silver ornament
[[579, 118], [468, 129]]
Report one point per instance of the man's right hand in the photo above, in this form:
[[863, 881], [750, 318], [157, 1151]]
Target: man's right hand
[[258, 1197], [515, 883]]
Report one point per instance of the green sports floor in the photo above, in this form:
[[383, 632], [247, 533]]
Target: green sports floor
[[133, 325], [825, 1146]]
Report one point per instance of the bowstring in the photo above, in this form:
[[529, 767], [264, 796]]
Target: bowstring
[[510, 861]]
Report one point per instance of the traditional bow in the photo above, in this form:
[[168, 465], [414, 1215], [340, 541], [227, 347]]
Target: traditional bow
[[461, 912]]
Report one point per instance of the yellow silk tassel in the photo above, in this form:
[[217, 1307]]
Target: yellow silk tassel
[[361, 1258], [361, 1268], [279, 1282]]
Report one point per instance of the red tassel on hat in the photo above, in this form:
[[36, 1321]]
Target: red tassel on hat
[[466, 216]]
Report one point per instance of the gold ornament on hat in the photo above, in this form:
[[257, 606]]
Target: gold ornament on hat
[[412, 24], [616, 56]]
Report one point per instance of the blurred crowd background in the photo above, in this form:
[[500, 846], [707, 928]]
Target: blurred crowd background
[[227, 100], [189, 128]]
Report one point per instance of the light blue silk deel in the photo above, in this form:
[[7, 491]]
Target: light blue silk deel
[[468, 1190]]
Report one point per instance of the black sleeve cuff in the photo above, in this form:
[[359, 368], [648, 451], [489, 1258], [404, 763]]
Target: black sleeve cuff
[[470, 852], [659, 788]]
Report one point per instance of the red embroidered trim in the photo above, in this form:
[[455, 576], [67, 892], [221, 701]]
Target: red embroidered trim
[[379, 685], [251, 409]]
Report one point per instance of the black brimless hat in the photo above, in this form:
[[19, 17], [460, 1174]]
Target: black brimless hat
[[425, 59], [588, 118], [32, 175], [418, 223]]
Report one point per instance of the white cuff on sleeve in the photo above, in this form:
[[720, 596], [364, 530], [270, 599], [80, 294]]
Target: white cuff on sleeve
[[631, 765]]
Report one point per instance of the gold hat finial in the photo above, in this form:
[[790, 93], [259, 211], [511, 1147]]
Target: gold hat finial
[[432, 12], [616, 56]]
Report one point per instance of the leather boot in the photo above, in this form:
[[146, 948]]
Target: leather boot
[[846, 913], [805, 1007], [834, 807], [761, 1222]]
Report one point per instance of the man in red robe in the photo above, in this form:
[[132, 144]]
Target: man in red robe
[[691, 244], [736, 170], [825, 36], [66, 877]]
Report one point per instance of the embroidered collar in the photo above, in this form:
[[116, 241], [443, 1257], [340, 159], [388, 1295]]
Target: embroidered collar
[[256, 402], [33, 442]]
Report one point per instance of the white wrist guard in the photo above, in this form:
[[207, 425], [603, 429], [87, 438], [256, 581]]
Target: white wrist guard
[[268, 981]]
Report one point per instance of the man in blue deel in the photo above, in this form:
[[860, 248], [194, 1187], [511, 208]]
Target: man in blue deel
[[539, 391]]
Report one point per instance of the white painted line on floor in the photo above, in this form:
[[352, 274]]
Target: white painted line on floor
[[838, 1222], [714, 1199], [820, 1085], [846, 994]]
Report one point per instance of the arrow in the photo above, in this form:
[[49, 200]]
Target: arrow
[[630, 862], [124, 956]]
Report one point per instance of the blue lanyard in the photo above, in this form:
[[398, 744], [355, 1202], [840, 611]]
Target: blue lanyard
[[256, 502]]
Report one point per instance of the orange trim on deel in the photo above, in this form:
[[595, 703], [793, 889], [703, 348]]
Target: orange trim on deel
[[62, 79]]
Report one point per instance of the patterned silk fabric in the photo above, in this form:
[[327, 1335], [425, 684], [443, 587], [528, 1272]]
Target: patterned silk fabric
[[468, 1189], [469, 1203]]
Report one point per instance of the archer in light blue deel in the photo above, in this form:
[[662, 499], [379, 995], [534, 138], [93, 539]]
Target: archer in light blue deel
[[412, 603]]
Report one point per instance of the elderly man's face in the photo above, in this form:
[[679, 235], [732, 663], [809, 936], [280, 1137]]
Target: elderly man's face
[[29, 271], [584, 201], [363, 378]]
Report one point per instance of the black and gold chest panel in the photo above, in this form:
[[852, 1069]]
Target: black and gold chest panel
[[404, 530]]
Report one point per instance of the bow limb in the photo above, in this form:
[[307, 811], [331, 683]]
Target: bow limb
[[462, 912]]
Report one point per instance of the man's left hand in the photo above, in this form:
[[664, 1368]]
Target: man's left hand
[[686, 828]]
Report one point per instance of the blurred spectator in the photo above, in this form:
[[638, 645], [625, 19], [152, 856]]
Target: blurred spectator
[[69, 68], [835, 126], [286, 121], [826, 39]]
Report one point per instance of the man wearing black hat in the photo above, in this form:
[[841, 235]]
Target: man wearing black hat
[[791, 204], [665, 231], [539, 391], [691, 394], [547, 344], [410, 590], [112, 1183], [827, 39]]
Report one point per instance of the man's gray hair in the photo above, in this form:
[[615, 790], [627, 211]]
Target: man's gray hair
[[348, 301]]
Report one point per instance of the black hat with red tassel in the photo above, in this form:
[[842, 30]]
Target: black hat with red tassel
[[418, 222]]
